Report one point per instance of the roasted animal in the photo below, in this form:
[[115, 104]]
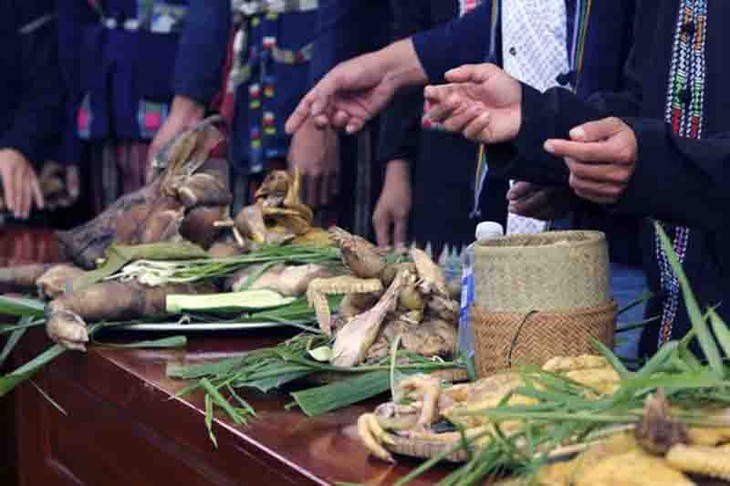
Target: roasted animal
[[157, 211], [422, 401]]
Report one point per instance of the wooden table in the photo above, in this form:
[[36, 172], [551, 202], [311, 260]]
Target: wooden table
[[123, 424]]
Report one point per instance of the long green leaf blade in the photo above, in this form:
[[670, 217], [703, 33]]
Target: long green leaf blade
[[319, 400], [704, 336]]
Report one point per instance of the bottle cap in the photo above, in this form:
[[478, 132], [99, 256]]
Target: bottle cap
[[488, 230]]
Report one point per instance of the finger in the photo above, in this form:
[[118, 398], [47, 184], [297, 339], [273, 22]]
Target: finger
[[25, 195], [7, 179], [36, 193], [354, 125], [604, 173], [461, 118], [18, 192], [521, 190], [589, 152], [598, 192], [400, 231], [476, 73], [381, 223], [532, 205], [479, 127], [312, 192], [341, 119], [301, 112], [437, 94], [596, 131], [321, 121], [442, 110]]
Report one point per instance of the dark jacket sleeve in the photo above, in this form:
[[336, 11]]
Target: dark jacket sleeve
[[677, 180], [552, 115], [345, 29], [400, 123], [464, 40], [202, 49], [36, 121], [72, 16]]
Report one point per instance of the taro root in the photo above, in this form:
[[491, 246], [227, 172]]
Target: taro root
[[57, 280], [22, 277], [111, 301]]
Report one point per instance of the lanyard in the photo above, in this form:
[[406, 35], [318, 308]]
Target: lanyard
[[580, 31]]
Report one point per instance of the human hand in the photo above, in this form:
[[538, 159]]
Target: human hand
[[347, 97], [185, 113], [315, 152], [20, 184], [390, 218], [538, 202], [601, 156], [482, 102]]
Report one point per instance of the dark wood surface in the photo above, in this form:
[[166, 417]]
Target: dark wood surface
[[122, 424]]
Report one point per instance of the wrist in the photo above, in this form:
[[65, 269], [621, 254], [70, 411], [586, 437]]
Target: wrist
[[401, 65], [187, 109], [397, 171]]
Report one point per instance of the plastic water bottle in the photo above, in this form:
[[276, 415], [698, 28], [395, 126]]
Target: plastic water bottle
[[485, 231]]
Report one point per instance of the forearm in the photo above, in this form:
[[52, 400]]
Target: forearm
[[401, 65], [201, 50], [464, 40]]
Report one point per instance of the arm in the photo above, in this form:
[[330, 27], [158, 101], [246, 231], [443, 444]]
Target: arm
[[198, 69], [39, 113], [202, 49], [355, 91]]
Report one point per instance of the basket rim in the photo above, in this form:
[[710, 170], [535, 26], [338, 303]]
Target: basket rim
[[590, 238]]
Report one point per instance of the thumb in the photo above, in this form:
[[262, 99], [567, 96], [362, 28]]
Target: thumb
[[400, 231], [475, 73], [596, 131]]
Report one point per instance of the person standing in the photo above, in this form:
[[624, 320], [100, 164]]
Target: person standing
[[122, 65], [660, 154], [31, 100]]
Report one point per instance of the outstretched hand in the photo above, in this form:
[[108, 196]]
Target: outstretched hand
[[482, 102], [346, 98]]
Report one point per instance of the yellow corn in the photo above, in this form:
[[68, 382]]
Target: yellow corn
[[705, 461]]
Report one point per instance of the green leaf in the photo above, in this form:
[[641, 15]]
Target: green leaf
[[209, 415], [722, 332], [610, 357], [322, 399], [172, 342], [322, 354], [704, 336], [117, 256], [21, 307], [12, 341]]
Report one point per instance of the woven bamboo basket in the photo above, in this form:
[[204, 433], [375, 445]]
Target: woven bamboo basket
[[551, 271], [540, 296], [507, 339]]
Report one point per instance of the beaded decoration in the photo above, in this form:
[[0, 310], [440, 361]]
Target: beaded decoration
[[684, 110]]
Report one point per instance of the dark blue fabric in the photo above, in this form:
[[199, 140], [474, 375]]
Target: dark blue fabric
[[31, 97], [113, 71], [609, 34], [677, 180], [347, 28], [288, 82], [202, 48]]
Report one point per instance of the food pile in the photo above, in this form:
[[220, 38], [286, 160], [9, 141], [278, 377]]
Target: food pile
[[172, 249]]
